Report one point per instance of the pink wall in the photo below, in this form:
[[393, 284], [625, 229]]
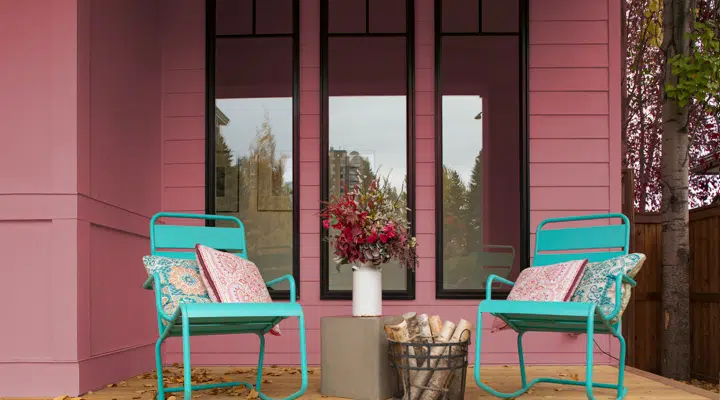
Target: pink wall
[[120, 173], [110, 105], [38, 194], [80, 101], [574, 160]]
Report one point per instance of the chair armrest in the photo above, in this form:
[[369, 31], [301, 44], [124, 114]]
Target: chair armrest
[[291, 282], [619, 280], [488, 284], [629, 280]]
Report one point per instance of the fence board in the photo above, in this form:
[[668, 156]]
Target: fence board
[[645, 316]]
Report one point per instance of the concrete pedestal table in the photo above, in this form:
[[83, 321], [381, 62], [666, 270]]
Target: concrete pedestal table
[[355, 361]]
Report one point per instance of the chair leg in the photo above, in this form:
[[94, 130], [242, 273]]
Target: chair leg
[[303, 359], [158, 365], [589, 356], [303, 364], [521, 359], [479, 382], [261, 357], [187, 384], [621, 390]]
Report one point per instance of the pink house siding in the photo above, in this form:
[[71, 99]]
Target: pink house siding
[[574, 158]]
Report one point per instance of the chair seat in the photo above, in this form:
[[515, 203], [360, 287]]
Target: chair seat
[[228, 318], [214, 312], [545, 316]]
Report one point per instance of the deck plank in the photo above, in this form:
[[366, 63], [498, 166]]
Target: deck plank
[[283, 381]]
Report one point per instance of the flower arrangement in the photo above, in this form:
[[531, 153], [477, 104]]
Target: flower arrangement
[[368, 224]]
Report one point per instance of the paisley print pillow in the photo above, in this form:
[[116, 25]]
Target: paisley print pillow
[[232, 279], [555, 282], [598, 282], [180, 281]]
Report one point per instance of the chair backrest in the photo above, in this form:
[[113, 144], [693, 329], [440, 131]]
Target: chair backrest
[[596, 242], [178, 241]]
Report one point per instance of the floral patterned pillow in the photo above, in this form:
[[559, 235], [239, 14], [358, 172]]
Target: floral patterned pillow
[[598, 282], [232, 279], [180, 281], [555, 282]]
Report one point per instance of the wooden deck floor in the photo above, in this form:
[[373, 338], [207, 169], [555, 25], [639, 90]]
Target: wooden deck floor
[[281, 382]]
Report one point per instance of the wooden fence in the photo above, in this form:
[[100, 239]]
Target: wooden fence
[[644, 317]]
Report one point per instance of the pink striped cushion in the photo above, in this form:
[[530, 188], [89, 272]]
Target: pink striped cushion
[[555, 282], [232, 279]]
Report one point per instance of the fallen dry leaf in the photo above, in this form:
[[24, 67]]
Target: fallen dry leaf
[[122, 383], [266, 381], [62, 398], [112, 385], [172, 398], [252, 395]]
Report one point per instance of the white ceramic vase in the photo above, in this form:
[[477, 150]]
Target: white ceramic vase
[[367, 290]]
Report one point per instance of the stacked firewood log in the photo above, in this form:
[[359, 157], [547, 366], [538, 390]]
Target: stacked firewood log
[[421, 330]]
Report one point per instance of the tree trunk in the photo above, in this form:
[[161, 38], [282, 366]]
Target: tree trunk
[[675, 361]]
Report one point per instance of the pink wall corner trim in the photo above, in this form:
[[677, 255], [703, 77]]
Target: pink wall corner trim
[[615, 39], [615, 81]]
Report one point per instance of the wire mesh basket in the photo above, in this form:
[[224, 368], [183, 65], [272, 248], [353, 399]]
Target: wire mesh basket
[[429, 371]]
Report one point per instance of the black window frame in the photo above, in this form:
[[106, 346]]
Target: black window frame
[[409, 35], [523, 47], [210, 183]]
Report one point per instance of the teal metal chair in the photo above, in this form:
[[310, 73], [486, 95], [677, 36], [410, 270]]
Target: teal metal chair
[[596, 243], [178, 241]]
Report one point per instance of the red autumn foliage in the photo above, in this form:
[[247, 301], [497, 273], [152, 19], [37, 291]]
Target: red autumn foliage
[[368, 224]]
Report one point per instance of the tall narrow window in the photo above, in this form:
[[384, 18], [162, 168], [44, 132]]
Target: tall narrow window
[[482, 210], [367, 61], [252, 127]]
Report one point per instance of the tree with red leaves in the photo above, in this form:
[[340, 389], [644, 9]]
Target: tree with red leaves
[[642, 110]]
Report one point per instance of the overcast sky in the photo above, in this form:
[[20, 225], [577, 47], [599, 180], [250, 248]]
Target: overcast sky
[[374, 126]]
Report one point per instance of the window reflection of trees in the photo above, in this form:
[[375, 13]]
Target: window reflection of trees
[[263, 201]]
